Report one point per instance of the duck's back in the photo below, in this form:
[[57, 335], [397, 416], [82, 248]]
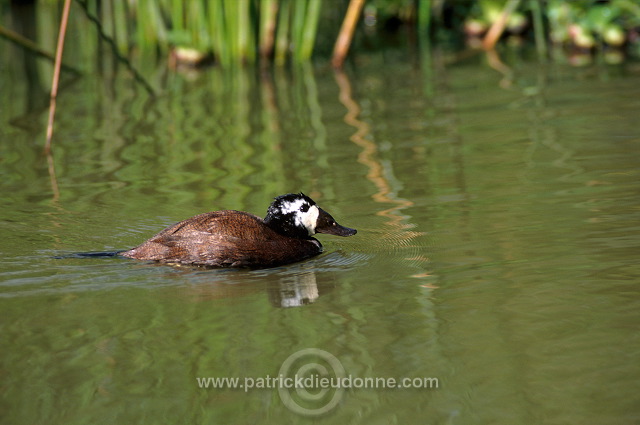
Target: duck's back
[[224, 239]]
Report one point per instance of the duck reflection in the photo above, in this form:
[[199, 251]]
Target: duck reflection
[[294, 291], [296, 285]]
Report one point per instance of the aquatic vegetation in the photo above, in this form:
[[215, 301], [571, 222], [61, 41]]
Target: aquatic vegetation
[[235, 32]]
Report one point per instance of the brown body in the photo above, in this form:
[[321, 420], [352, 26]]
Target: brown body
[[225, 239]]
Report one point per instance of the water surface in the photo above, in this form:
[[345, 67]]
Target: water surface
[[496, 251]]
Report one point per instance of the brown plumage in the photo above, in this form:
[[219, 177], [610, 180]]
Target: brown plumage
[[238, 239]]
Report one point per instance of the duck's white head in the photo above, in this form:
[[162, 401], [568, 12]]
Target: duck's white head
[[297, 215]]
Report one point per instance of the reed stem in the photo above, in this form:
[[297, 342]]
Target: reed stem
[[282, 33], [56, 74], [538, 28], [308, 37], [498, 26], [346, 33], [268, 20], [424, 18]]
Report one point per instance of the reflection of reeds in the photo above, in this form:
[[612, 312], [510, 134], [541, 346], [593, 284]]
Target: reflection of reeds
[[376, 172]]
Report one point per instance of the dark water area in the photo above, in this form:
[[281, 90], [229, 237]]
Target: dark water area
[[497, 248]]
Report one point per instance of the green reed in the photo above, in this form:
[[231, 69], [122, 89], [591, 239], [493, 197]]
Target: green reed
[[424, 17], [235, 32], [282, 33]]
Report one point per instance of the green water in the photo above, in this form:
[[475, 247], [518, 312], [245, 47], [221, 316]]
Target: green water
[[497, 246]]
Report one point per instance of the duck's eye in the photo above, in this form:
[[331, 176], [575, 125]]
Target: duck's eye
[[304, 208]]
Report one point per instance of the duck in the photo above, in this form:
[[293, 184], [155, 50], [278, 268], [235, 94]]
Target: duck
[[238, 239]]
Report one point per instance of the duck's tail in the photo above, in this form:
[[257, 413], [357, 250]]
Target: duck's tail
[[93, 254]]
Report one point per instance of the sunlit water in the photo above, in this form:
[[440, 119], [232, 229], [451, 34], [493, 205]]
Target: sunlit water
[[497, 246]]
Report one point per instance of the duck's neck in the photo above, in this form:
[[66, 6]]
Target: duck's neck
[[286, 227]]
